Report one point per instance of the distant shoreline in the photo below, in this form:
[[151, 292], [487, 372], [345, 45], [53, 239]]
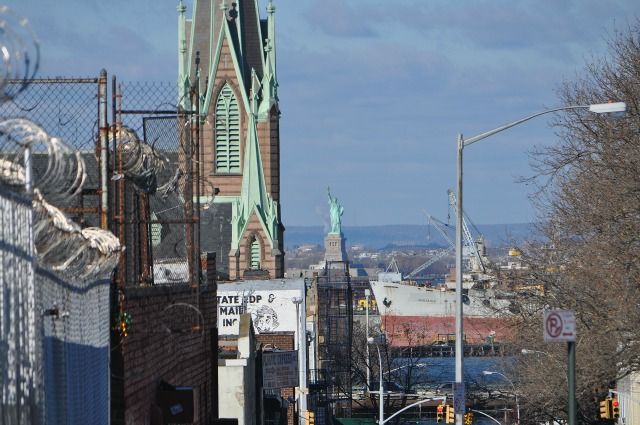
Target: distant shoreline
[[378, 237]]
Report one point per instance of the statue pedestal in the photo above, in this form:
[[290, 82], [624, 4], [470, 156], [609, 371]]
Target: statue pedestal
[[334, 249]]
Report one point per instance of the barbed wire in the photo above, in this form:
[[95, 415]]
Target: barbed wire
[[140, 162], [63, 175], [62, 245], [19, 52]]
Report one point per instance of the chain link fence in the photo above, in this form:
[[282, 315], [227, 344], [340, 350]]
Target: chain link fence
[[147, 163], [55, 267], [156, 147], [66, 108], [153, 200]]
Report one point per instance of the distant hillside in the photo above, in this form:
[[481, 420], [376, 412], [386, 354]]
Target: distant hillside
[[408, 235]]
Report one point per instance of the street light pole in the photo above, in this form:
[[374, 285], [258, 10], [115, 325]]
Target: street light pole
[[380, 389], [381, 386], [601, 108], [367, 294], [459, 391], [301, 347], [515, 393]]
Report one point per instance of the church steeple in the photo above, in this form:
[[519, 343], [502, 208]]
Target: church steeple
[[238, 61]]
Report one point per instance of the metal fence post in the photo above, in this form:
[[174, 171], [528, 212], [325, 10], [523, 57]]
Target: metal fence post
[[104, 148]]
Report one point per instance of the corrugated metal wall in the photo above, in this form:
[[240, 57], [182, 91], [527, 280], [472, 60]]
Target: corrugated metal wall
[[54, 332], [20, 377], [76, 348]]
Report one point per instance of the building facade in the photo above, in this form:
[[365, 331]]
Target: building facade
[[228, 52]]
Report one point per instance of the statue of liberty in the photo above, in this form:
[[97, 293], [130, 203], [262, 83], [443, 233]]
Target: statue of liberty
[[335, 212]]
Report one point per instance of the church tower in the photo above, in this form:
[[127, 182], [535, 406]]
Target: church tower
[[232, 53]]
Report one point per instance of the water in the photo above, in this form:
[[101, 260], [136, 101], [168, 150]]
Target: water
[[438, 374], [441, 370]]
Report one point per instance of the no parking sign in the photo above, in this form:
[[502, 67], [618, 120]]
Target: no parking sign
[[559, 326]]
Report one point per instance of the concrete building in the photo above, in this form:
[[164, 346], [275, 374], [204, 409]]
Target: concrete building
[[277, 310], [628, 395], [237, 398]]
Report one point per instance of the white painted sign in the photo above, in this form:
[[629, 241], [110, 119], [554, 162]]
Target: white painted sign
[[271, 310], [279, 369], [559, 326]]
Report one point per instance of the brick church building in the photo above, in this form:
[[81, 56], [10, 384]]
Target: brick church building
[[230, 52]]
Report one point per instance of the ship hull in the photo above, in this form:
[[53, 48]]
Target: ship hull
[[412, 331], [411, 315]]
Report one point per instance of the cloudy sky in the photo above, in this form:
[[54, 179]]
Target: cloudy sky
[[374, 92]]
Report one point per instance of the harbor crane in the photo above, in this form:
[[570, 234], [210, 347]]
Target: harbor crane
[[440, 227], [470, 244]]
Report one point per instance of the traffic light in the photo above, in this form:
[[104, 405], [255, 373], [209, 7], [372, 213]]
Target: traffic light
[[439, 409], [605, 408], [451, 415], [468, 418], [309, 417], [615, 409]]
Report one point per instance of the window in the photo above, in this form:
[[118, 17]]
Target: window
[[227, 132], [255, 254]]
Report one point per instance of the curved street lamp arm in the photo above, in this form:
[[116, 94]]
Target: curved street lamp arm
[[504, 377], [515, 392], [413, 405], [486, 134], [488, 416]]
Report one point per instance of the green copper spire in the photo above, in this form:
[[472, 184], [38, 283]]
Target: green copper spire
[[271, 34], [183, 76], [254, 196], [269, 80], [215, 59]]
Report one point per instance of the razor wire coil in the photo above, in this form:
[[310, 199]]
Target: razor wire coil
[[19, 53], [63, 173], [66, 248]]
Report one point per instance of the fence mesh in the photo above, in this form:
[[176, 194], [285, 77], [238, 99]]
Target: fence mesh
[[156, 216], [66, 108], [76, 348], [55, 271], [151, 210]]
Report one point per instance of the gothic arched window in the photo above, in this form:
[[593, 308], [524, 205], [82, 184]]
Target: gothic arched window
[[227, 132]]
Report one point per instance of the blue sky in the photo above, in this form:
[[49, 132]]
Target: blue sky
[[374, 92]]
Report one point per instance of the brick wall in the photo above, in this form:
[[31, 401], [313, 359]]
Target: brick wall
[[281, 341], [169, 343]]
